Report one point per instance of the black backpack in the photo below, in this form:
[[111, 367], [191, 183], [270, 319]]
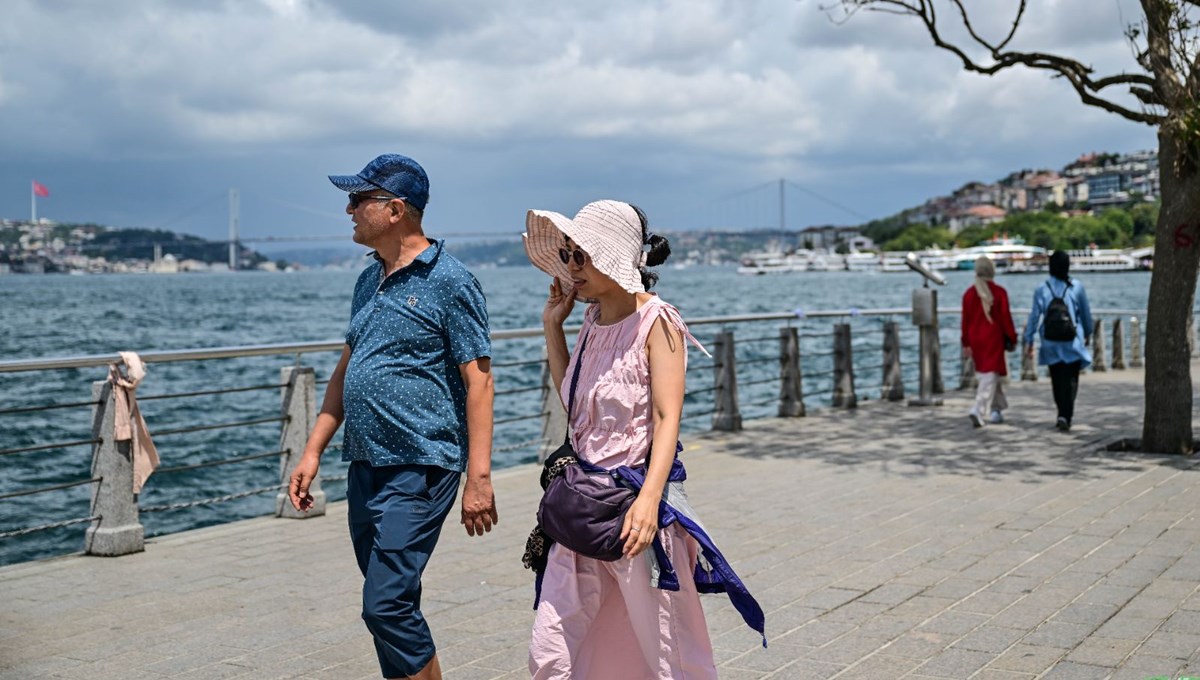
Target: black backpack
[[1058, 324]]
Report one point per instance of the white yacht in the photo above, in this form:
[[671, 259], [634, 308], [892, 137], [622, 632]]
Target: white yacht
[[1009, 254], [777, 262]]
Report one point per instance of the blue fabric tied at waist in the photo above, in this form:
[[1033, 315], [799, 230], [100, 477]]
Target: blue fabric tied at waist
[[713, 574]]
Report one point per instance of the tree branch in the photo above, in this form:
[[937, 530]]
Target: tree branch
[[1075, 72]]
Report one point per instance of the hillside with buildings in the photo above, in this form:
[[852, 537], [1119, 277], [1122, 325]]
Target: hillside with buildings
[[1087, 186], [48, 247], [1104, 200]]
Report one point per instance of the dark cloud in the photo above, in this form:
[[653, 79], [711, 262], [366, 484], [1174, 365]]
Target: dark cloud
[[145, 114]]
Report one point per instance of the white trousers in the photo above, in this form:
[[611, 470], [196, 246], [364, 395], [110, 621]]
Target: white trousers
[[989, 396]]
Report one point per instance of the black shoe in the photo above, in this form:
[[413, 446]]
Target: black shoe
[[1063, 424], [975, 420]]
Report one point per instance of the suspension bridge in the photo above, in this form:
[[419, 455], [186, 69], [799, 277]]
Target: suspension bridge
[[776, 204]]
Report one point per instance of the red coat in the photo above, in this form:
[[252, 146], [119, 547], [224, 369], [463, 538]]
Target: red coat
[[986, 339]]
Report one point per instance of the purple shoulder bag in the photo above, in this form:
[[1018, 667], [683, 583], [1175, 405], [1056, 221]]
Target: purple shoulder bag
[[583, 507]]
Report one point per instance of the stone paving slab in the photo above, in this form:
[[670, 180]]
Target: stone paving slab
[[884, 542]]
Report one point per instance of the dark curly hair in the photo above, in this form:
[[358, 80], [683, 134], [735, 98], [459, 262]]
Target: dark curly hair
[[660, 250]]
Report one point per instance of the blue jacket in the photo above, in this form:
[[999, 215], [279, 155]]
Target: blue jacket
[[713, 573], [1061, 351]]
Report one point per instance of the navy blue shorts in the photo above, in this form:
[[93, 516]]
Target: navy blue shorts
[[396, 514]]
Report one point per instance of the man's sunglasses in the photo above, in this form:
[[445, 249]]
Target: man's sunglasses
[[567, 255], [356, 199]]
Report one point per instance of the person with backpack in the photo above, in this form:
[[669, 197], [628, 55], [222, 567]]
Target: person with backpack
[[987, 333], [1062, 317]]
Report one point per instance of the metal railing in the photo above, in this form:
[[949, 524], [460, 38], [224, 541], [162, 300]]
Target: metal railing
[[775, 373]]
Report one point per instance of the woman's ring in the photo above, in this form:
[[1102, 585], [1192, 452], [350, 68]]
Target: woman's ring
[[636, 529]]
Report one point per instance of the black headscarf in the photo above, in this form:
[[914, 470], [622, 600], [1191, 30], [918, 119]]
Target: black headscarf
[[1060, 264]]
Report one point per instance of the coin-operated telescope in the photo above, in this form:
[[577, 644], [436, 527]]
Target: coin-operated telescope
[[924, 316]]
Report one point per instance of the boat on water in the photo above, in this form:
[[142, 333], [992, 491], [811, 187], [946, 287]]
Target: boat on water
[[1011, 255], [780, 262], [1090, 260]]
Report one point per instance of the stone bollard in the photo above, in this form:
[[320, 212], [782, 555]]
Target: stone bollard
[[1099, 365], [843, 368], [1118, 350], [929, 368], [791, 386], [1135, 342], [554, 415], [1028, 365], [893, 377], [299, 406], [726, 415], [118, 531]]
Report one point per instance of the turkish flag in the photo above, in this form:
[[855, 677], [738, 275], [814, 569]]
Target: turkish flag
[[40, 189]]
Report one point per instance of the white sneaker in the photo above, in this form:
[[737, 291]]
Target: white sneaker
[[997, 417]]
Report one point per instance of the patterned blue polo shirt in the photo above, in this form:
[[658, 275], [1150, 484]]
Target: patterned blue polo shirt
[[404, 399]]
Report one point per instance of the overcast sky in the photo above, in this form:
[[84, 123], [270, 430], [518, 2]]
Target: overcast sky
[[142, 113]]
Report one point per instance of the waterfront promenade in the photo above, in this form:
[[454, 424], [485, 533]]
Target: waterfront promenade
[[884, 542]]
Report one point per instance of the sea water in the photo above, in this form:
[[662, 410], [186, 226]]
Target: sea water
[[54, 316]]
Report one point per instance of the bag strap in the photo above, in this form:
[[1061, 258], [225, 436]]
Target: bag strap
[[1064, 293], [574, 383]]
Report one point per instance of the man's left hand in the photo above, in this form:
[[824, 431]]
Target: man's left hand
[[479, 506]]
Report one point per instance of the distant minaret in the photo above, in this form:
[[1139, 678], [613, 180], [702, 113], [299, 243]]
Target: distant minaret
[[233, 229]]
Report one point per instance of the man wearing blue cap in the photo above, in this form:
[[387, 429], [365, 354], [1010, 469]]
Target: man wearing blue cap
[[414, 387]]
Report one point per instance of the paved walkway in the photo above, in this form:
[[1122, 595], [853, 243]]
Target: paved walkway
[[886, 542]]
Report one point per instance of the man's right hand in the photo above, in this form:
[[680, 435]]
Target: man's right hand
[[302, 478]]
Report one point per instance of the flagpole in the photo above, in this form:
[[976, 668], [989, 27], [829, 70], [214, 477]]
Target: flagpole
[[33, 203]]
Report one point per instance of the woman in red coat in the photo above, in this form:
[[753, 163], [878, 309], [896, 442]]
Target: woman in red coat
[[987, 333]]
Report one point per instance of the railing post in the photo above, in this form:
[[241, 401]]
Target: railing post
[[843, 368], [935, 338], [893, 379], [1135, 342], [1099, 364], [119, 530], [298, 399], [725, 404], [1118, 350], [791, 387], [554, 414]]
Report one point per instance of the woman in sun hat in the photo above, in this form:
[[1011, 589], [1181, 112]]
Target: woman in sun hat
[[639, 616]]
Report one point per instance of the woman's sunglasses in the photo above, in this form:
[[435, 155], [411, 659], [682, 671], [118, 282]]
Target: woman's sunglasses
[[567, 255]]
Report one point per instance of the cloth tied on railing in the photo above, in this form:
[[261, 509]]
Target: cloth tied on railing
[[129, 426]]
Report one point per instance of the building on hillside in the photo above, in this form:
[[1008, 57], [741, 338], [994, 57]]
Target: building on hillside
[[1114, 179], [1045, 190], [829, 237], [975, 216], [1078, 191]]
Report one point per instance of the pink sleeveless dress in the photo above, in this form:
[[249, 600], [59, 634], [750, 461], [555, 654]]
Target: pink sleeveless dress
[[605, 620]]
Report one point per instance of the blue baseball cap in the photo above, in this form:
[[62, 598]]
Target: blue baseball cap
[[395, 174]]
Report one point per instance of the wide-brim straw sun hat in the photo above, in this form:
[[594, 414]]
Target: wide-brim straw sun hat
[[610, 232]]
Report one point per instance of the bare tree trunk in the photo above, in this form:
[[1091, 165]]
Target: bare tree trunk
[[1167, 427]]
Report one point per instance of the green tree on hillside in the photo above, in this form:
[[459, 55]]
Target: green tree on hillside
[[920, 236]]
